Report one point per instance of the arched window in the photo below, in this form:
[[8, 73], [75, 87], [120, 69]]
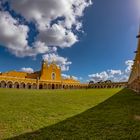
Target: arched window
[[53, 76]]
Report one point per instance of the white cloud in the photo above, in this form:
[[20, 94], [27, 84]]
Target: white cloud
[[99, 76], [75, 78], [113, 72], [28, 70], [54, 20], [65, 76], [61, 61], [14, 37], [12, 34], [57, 35], [114, 75], [129, 64], [44, 11]]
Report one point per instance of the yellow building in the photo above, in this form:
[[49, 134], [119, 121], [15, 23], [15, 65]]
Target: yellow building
[[49, 77]]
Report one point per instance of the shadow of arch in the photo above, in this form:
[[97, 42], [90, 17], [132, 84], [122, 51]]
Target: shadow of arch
[[60, 86], [45, 86], [3, 84], [23, 85], [29, 86], [34, 86], [9, 84], [108, 86], [56, 86], [49, 86], [108, 120], [40, 86], [53, 86], [16, 85]]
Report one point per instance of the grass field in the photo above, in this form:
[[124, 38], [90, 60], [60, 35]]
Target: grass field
[[77, 114]]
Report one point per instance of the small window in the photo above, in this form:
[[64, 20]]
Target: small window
[[53, 76]]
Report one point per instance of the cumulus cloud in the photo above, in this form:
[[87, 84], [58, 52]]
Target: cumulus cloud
[[99, 76], [28, 70], [57, 35], [65, 76], [45, 11], [14, 37], [55, 22], [129, 64], [59, 60], [113, 72], [113, 75]]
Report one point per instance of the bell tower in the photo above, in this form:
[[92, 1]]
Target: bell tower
[[43, 73]]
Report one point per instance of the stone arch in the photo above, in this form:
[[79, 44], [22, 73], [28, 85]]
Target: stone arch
[[16, 85], [56, 86], [22, 85], [45, 86], [49, 86], [67, 86], [3, 84], [29, 86], [40, 86], [9, 84], [120, 86], [108, 86], [34, 86], [53, 86], [60, 86]]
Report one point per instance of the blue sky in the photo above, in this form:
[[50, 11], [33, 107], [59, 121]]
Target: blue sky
[[106, 42]]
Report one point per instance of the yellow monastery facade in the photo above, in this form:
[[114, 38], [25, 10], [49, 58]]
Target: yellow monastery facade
[[49, 77]]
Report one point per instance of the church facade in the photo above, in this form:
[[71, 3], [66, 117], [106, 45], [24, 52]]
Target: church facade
[[49, 77]]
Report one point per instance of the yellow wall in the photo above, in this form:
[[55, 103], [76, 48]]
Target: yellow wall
[[43, 76], [15, 74], [48, 70]]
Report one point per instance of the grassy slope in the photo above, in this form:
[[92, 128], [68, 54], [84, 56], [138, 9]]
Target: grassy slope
[[117, 118], [29, 110]]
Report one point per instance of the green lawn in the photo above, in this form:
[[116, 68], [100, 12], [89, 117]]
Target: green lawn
[[77, 114]]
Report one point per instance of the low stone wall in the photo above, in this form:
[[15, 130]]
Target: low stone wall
[[108, 85]]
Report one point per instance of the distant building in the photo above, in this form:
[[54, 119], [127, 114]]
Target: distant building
[[108, 84], [49, 77]]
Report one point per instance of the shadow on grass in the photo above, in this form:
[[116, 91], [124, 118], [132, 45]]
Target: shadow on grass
[[113, 119]]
